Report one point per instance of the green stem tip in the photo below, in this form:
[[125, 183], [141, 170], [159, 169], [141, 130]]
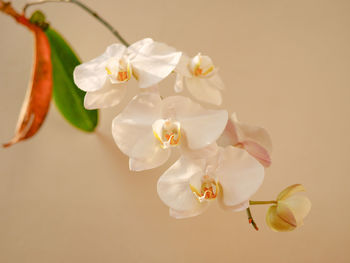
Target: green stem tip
[[87, 9], [262, 202]]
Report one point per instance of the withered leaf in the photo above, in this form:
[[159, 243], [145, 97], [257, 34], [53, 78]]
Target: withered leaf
[[38, 97]]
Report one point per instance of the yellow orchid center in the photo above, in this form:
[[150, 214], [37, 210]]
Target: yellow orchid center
[[168, 132], [208, 191], [201, 66], [122, 72]]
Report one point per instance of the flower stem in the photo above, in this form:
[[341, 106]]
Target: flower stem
[[7, 8], [262, 202], [87, 9], [251, 220]]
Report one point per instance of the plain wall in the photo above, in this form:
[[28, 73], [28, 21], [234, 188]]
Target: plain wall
[[68, 196]]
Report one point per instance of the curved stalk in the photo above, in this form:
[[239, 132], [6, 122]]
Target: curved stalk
[[251, 220], [87, 9]]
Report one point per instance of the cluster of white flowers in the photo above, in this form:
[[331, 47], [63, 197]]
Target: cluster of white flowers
[[221, 158]]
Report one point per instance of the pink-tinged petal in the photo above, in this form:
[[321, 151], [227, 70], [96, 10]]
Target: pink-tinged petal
[[92, 75], [229, 136], [290, 190], [157, 158], [190, 213], [240, 176], [254, 139], [245, 132], [174, 185], [284, 212], [152, 62], [275, 222], [298, 205], [258, 152], [110, 95], [132, 129], [204, 90], [201, 127]]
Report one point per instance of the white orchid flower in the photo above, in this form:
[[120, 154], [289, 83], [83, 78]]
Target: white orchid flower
[[149, 127], [255, 140], [148, 61], [200, 77], [231, 176]]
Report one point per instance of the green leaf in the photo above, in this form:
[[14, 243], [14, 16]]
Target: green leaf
[[68, 98]]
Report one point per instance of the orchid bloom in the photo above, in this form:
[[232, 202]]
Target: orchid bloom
[[289, 211], [149, 127], [231, 176], [200, 77], [255, 140], [148, 61]]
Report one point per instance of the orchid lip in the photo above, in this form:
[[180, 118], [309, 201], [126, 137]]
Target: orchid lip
[[197, 69], [167, 132], [209, 189], [123, 73]]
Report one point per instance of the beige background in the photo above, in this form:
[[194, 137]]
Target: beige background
[[67, 196]]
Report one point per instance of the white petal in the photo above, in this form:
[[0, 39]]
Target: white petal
[[240, 175], [115, 51], [139, 45], [216, 81], [202, 127], [174, 185], [190, 213], [109, 96], [153, 62], [203, 153], [157, 159], [153, 89], [204, 90], [92, 75], [132, 129], [179, 83], [240, 207], [182, 68], [236, 208]]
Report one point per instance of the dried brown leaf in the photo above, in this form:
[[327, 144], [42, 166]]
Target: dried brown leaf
[[38, 97]]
